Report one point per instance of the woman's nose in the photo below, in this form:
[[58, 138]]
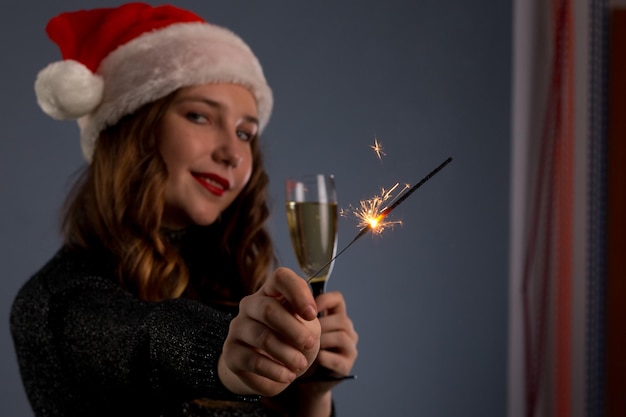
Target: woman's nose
[[227, 153]]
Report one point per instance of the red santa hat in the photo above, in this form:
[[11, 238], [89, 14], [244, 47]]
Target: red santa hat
[[117, 59]]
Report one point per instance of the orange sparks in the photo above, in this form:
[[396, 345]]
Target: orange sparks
[[378, 148], [371, 213]]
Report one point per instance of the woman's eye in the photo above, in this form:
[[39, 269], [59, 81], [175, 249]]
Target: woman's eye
[[245, 135], [197, 117]]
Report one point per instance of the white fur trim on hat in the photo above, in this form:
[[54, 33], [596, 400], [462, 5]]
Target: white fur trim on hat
[[157, 63], [68, 90]]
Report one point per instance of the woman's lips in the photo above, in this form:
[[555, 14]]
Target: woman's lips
[[212, 182]]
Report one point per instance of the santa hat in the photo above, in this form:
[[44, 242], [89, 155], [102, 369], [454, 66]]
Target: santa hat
[[117, 59]]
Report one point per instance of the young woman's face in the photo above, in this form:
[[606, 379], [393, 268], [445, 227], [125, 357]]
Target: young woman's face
[[205, 143]]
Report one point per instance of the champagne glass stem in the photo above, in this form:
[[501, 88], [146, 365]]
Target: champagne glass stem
[[318, 287]]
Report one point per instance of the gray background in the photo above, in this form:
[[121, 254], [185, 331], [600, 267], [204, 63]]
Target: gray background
[[430, 79]]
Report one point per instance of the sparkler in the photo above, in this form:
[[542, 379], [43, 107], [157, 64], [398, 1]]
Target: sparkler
[[373, 218], [368, 212], [378, 148]]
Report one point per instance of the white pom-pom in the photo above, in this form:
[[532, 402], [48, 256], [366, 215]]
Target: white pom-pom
[[68, 90]]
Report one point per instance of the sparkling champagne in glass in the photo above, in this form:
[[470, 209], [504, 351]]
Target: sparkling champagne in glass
[[311, 204]]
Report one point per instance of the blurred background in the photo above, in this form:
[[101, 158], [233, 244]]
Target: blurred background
[[429, 80]]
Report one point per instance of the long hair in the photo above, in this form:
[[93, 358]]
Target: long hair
[[116, 208]]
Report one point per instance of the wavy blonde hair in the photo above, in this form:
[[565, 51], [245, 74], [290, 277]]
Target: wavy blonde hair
[[116, 207]]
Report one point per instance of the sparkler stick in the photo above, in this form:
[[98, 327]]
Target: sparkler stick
[[374, 222], [404, 196]]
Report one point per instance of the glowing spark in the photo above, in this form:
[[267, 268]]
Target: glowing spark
[[371, 214], [372, 218], [378, 148]]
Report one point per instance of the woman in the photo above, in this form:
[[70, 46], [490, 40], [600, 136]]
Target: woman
[[163, 299]]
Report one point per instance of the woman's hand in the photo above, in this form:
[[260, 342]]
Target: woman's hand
[[338, 349], [311, 395], [274, 339]]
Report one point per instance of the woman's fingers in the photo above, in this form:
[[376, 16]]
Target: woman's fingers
[[331, 303], [274, 339], [243, 359], [245, 372], [338, 351], [338, 343], [246, 367], [335, 362], [288, 287], [267, 340], [273, 314]]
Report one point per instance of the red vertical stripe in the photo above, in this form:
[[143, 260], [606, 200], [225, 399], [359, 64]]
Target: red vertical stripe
[[616, 220], [547, 276], [565, 196]]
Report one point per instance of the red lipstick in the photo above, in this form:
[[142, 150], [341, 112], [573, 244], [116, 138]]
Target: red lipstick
[[213, 183]]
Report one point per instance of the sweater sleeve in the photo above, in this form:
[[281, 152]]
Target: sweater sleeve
[[99, 343], [172, 347]]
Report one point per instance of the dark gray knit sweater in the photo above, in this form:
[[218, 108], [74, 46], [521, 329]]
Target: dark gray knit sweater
[[87, 347]]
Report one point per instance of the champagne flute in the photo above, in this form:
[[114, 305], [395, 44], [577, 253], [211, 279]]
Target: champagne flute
[[311, 204]]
